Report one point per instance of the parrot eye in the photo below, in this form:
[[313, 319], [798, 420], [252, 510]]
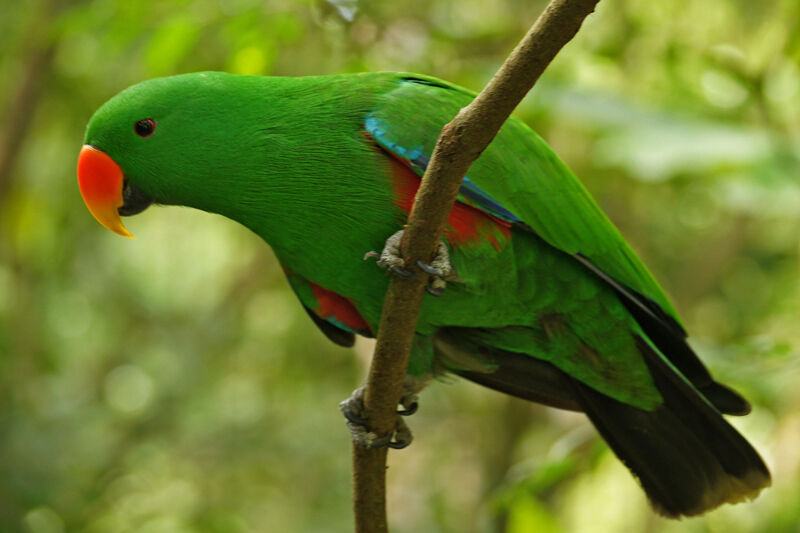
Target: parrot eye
[[145, 127]]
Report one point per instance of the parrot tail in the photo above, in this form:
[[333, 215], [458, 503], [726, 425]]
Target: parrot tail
[[686, 456]]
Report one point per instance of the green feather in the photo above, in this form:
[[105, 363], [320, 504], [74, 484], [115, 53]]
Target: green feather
[[523, 174]]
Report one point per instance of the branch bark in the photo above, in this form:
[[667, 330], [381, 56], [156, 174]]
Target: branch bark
[[19, 112], [460, 144]]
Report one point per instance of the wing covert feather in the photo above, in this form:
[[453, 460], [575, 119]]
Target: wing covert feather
[[518, 178]]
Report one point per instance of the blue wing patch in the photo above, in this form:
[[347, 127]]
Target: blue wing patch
[[469, 192]]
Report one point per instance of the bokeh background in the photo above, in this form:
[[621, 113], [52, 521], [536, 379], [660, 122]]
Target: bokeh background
[[173, 384]]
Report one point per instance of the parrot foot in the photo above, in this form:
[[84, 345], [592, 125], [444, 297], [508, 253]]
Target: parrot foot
[[440, 269], [400, 437]]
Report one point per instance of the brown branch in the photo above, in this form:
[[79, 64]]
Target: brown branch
[[19, 112], [460, 144], [18, 115]]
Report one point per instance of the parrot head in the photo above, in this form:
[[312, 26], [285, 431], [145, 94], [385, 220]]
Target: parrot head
[[166, 141]]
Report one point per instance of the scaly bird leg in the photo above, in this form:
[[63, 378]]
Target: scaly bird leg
[[400, 437], [439, 268]]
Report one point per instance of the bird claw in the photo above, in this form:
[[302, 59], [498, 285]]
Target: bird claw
[[435, 291], [393, 266], [410, 410], [401, 272], [439, 269], [399, 438], [402, 436], [432, 270], [352, 417]]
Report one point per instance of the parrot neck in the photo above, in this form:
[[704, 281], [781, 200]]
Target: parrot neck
[[295, 167]]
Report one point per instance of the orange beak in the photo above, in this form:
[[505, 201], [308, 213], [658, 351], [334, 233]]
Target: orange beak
[[100, 180]]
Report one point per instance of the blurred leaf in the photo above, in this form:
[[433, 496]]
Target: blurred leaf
[[527, 515], [170, 44]]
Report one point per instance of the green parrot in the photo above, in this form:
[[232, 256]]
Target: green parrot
[[545, 300]]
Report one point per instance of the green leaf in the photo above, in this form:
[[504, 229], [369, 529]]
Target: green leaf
[[170, 44], [528, 515]]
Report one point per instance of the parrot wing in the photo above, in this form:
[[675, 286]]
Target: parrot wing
[[518, 179], [333, 314]]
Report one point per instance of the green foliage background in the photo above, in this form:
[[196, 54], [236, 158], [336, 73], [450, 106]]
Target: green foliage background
[[172, 383]]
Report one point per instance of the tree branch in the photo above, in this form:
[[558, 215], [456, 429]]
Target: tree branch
[[18, 116], [460, 144]]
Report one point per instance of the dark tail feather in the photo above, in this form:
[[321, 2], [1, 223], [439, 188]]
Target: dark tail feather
[[686, 456], [526, 378], [725, 399], [516, 374], [670, 338]]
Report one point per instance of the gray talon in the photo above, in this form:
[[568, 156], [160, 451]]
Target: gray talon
[[402, 436], [398, 444], [378, 443], [357, 423], [432, 270], [390, 258], [439, 269], [410, 410], [353, 410], [401, 272], [354, 418], [435, 291]]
